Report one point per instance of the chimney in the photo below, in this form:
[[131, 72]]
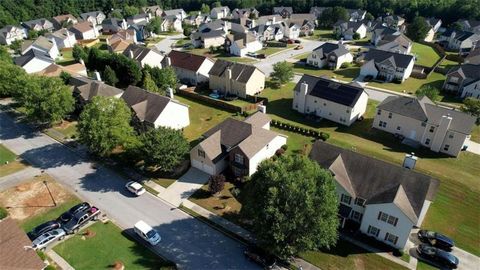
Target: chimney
[[170, 92], [168, 61], [273, 19], [131, 54], [262, 109], [228, 73], [97, 76], [304, 88], [410, 161], [82, 62]]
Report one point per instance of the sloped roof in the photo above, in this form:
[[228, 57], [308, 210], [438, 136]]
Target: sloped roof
[[88, 89], [277, 10], [62, 33], [394, 43], [82, 27], [233, 132], [31, 54], [220, 9], [345, 94], [173, 12], [240, 72], [61, 18], [258, 119], [474, 57], [90, 14], [188, 61], [335, 48], [139, 52], [470, 71], [32, 23], [377, 181], [55, 70], [40, 42], [7, 29], [399, 59]]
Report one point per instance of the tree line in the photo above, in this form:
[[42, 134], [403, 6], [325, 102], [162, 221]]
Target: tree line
[[16, 11]]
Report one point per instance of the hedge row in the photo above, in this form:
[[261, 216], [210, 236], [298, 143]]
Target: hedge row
[[301, 130]]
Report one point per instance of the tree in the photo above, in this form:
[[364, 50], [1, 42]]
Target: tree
[[418, 29], [369, 17], [472, 106], [105, 124], [129, 11], [205, 9], [154, 25], [356, 36], [48, 100], [164, 78], [5, 55], [216, 4], [116, 14], [331, 15], [163, 148], [109, 76], [16, 46], [293, 205], [13, 80], [429, 91], [282, 72], [78, 53], [32, 34], [65, 76], [216, 183], [148, 83], [187, 30]]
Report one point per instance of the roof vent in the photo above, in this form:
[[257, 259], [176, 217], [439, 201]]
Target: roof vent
[[410, 161]]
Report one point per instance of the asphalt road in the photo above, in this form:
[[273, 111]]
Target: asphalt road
[[185, 240]]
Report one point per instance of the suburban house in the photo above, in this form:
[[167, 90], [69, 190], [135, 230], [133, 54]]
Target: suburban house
[[11, 33], [215, 25], [38, 25], [144, 56], [94, 17], [245, 13], [347, 30], [179, 13], [397, 43], [215, 38], [113, 25], [379, 32], [84, 30], [220, 13], [422, 122], [171, 23], [291, 30], [317, 11], [139, 18], [140, 31], [386, 66], [461, 41], [470, 25], [197, 19], [474, 56], [356, 15], [63, 38], [120, 41], [269, 32], [62, 21], [84, 90], [325, 98], [154, 11], [154, 110], [434, 24], [240, 44], [43, 44], [463, 81], [237, 145], [307, 23], [55, 70], [190, 68], [14, 247], [34, 61], [285, 12], [236, 79], [268, 20], [392, 21], [330, 55], [383, 200]]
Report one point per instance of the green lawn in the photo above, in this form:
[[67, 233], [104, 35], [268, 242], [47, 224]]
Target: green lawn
[[6, 155], [347, 256], [302, 56], [321, 34], [271, 50], [54, 213], [424, 266], [345, 74], [67, 58], [448, 64], [108, 245], [164, 182], [13, 165], [220, 55], [68, 130], [476, 134], [426, 55], [411, 85]]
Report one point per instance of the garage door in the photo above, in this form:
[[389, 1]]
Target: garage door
[[203, 167]]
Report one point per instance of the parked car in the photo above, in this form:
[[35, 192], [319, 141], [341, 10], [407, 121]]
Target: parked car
[[147, 233], [260, 257], [135, 188], [80, 219], [437, 255], [45, 239], [261, 56], [298, 41], [436, 239], [67, 216], [43, 228], [299, 47]]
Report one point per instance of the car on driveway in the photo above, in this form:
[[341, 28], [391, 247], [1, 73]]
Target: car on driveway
[[67, 216], [135, 188], [80, 219], [41, 242], [445, 259], [436, 239], [43, 228], [260, 257]]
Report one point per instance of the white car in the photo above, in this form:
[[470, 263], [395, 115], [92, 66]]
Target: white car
[[135, 188], [45, 239], [147, 233]]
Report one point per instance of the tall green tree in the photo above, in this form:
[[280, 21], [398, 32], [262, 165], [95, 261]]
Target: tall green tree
[[116, 14], [282, 72], [109, 76], [78, 53], [104, 124], [293, 205], [217, 4], [164, 78], [13, 78], [331, 15], [205, 9], [149, 84], [163, 148], [418, 29], [154, 25], [129, 11], [472, 106]]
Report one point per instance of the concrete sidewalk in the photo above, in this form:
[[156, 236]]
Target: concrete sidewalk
[[64, 265], [184, 187], [19, 177], [473, 147]]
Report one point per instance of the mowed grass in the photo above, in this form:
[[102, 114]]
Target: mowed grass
[[476, 134], [426, 55], [6, 155], [346, 256], [344, 74], [108, 245], [220, 55], [321, 34], [411, 85], [30, 223], [13, 166]]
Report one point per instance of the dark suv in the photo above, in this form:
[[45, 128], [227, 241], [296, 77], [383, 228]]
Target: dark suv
[[80, 218], [43, 228], [67, 216]]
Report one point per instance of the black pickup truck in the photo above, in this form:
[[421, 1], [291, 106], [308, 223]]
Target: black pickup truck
[[75, 221]]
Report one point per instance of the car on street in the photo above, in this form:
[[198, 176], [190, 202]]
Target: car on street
[[436, 239], [299, 47], [80, 219], [260, 257], [298, 41], [43, 228], [41, 242], [147, 233], [445, 259], [135, 188]]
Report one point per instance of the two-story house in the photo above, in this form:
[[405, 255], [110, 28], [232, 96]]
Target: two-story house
[[474, 56], [154, 11], [84, 30], [63, 38], [419, 120], [142, 18], [113, 25], [379, 32], [237, 145], [214, 38], [38, 25], [397, 43], [347, 30], [291, 30], [34, 61], [11, 33], [171, 23], [144, 56], [197, 19], [386, 66], [94, 17], [331, 55], [469, 25], [245, 13], [325, 98], [460, 41], [240, 44], [463, 81], [179, 13], [84, 90], [285, 12], [63, 21], [43, 44], [120, 41], [356, 15], [433, 24], [220, 12], [383, 200], [269, 32], [191, 69], [236, 79]]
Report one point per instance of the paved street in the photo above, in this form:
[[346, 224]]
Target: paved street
[[185, 240], [166, 44]]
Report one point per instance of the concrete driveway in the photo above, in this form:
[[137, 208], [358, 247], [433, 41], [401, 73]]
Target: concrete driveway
[[166, 44], [185, 186], [186, 241]]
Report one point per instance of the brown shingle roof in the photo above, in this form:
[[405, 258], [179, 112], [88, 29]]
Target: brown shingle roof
[[88, 89], [258, 119], [186, 60], [240, 72], [82, 27], [55, 70]]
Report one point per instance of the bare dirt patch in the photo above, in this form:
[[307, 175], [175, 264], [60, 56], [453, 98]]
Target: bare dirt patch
[[33, 198]]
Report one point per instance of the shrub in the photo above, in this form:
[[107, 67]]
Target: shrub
[[50, 267], [346, 65], [216, 183], [324, 136], [279, 152], [235, 192], [3, 213], [285, 147], [42, 255]]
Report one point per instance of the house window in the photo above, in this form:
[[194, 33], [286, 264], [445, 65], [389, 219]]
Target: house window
[[427, 141], [379, 112], [382, 124], [392, 220], [373, 231], [238, 158], [201, 153], [450, 135], [237, 171], [382, 216], [391, 238], [445, 148], [314, 101], [346, 199], [356, 215], [432, 129], [424, 124], [360, 201], [390, 115], [398, 128], [348, 111], [324, 104]]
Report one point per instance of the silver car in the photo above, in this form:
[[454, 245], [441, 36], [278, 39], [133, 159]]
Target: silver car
[[41, 242]]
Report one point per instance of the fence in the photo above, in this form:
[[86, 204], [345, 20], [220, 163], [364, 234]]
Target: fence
[[301, 130], [277, 44]]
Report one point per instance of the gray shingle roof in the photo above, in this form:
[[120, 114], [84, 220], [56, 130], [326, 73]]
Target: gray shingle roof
[[31, 54], [335, 48], [139, 52], [378, 56], [146, 105], [88, 89], [240, 72], [394, 43]]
